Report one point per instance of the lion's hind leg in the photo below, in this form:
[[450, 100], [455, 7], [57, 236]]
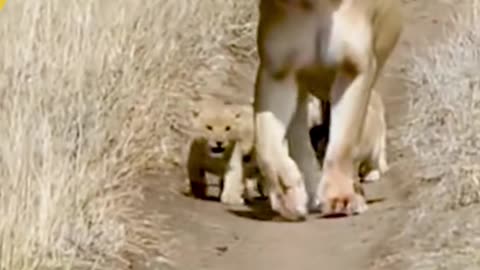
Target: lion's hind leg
[[301, 149], [382, 156], [378, 160], [370, 173]]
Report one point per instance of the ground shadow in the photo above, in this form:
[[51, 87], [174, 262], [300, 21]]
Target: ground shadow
[[340, 215], [260, 210], [210, 198]]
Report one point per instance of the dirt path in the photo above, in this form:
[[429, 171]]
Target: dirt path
[[207, 236]]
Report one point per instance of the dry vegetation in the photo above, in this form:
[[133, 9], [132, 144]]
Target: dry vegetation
[[441, 231], [93, 94]]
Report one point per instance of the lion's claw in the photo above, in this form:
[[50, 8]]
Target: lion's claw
[[291, 205]]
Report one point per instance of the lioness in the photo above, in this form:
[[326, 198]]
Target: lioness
[[334, 50]]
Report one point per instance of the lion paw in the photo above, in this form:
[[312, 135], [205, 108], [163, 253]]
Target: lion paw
[[360, 205], [337, 196], [232, 199], [291, 205], [372, 176]]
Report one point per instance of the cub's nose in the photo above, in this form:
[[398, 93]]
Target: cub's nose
[[219, 144]]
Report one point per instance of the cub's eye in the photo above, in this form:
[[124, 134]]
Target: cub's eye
[[227, 128], [209, 127]]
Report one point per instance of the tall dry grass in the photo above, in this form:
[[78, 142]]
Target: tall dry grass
[[92, 94], [443, 129]]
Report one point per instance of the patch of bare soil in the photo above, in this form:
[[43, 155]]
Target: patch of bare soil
[[207, 235]]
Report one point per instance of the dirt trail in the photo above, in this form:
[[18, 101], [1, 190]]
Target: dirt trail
[[208, 236]]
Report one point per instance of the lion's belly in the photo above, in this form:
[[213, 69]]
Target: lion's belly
[[317, 80], [318, 74]]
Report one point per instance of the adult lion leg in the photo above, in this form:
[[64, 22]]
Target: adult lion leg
[[349, 100], [301, 149], [275, 105], [234, 184]]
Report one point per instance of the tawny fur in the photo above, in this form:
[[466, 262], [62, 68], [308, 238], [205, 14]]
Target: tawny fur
[[333, 50], [370, 152], [222, 145]]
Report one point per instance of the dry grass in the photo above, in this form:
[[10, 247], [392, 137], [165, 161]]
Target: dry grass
[[443, 131], [92, 94]]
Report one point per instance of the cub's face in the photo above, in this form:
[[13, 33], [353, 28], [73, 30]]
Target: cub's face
[[218, 127]]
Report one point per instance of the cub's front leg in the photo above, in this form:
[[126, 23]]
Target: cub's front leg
[[301, 149], [196, 172], [234, 185]]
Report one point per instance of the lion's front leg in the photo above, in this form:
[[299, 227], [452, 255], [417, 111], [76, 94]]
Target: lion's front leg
[[234, 185], [275, 105], [350, 96], [301, 149]]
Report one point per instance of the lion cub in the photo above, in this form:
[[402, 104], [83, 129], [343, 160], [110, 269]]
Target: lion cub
[[371, 151], [222, 145]]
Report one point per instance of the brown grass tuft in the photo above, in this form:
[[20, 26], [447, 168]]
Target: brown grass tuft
[[92, 94]]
